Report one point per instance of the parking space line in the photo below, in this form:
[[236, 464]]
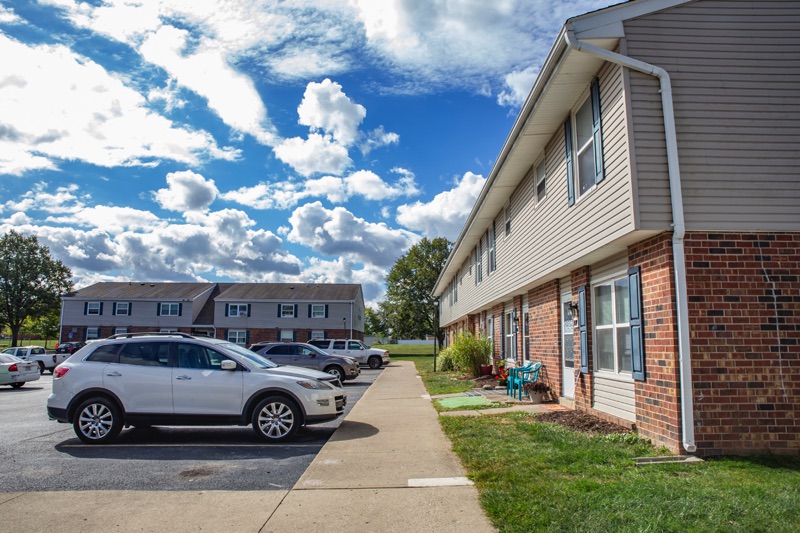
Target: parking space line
[[270, 446]]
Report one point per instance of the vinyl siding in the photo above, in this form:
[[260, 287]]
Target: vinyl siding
[[143, 313], [550, 235], [735, 71], [265, 315], [615, 397]]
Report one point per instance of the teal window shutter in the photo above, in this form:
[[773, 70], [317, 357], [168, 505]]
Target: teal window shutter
[[568, 147], [636, 322], [597, 133], [583, 324]]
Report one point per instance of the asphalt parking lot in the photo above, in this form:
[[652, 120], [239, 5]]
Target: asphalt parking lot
[[42, 455]]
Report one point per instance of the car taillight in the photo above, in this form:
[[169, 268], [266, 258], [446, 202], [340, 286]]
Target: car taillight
[[60, 371], [13, 368]]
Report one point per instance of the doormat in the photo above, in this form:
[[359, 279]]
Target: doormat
[[464, 401]]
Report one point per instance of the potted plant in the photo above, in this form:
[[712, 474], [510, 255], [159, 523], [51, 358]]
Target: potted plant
[[537, 391]]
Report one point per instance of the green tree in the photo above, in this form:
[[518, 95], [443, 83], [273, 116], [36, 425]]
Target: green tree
[[374, 323], [409, 308], [31, 282], [46, 326]]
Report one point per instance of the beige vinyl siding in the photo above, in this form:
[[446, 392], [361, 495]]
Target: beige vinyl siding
[[615, 397], [615, 266], [735, 71], [143, 313], [551, 235], [265, 315]]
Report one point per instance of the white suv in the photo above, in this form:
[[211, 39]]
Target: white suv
[[176, 379], [354, 348]]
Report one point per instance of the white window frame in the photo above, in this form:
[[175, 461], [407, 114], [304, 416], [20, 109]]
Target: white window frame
[[238, 310], [587, 148], [286, 333], [170, 307], [615, 327], [540, 177], [317, 334], [510, 336], [291, 311], [237, 336], [93, 308], [507, 218], [526, 335], [490, 334], [120, 331], [317, 310], [92, 333], [168, 330], [127, 306]]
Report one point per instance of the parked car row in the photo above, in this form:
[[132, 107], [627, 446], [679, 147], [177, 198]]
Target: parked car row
[[16, 372], [37, 355]]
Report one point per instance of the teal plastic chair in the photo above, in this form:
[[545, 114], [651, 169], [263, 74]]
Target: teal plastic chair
[[513, 376], [528, 375]]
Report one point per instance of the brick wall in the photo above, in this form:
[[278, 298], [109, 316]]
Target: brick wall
[[658, 397], [744, 314], [545, 332], [497, 313]]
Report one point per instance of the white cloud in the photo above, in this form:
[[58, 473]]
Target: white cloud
[[186, 191], [58, 105], [337, 232], [446, 213], [326, 107], [315, 155], [64, 200], [111, 219], [341, 270], [337, 190], [7, 16], [377, 138], [518, 85]]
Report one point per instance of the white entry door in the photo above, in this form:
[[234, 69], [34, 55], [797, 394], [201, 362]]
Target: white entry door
[[568, 344]]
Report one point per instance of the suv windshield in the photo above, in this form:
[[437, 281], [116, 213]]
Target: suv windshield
[[251, 356]]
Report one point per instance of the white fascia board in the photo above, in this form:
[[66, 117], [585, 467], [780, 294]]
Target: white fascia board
[[606, 18]]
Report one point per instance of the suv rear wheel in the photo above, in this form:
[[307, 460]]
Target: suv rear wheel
[[276, 419], [97, 421]]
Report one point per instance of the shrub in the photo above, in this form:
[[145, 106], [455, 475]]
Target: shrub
[[446, 361], [470, 352]]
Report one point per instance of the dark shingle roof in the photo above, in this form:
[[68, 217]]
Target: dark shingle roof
[[141, 290], [291, 291]]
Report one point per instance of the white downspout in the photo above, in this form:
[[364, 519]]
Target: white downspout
[[676, 197]]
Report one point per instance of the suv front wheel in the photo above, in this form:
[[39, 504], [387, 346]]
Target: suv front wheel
[[97, 421], [276, 419]]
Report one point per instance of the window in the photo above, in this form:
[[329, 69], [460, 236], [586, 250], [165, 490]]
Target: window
[[490, 334], [94, 308], [540, 181], [355, 345], [507, 216], [612, 332], [287, 311], [122, 308], [199, 357], [479, 262], [168, 330], [511, 335], [92, 333], [317, 334], [145, 354], [237, 336], [104, 354], [318, 311], [237, 310], [339, 345], [526, 336], [584, 145], [120, 331], [490, 239], [287, 335], [169, 309]]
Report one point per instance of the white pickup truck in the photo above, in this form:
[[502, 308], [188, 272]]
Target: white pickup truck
[[354, 348], [37, 354]]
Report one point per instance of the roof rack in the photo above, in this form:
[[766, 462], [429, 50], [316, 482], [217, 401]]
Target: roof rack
[[151, 334]]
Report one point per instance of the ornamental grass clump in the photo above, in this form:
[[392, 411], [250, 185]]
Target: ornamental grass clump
[[469, 353]]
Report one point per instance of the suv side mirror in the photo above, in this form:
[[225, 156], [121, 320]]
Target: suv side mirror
[[227, 364]]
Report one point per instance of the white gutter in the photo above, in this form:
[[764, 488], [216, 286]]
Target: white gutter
[[679, 228]]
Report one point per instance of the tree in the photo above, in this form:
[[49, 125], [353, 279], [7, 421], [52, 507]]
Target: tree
[[374, 323], [409, 308], [31, 282], [46, 326]]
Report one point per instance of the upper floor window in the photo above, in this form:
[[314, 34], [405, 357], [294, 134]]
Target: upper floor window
[[540, 181], [583, 136], [491, 242], [507, 217], [238, 310], [287, 311], [93, 308], [122, 308], [169, 309], [318, 311]]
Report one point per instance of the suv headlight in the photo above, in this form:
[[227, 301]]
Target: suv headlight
[[315, 385]]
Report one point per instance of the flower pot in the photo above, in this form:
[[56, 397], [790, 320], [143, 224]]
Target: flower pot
[[486, 370], [537, 397]]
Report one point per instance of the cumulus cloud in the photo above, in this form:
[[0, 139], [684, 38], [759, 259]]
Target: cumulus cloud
[[7, 16], [58, 105], [518, 85], [445, 214], [314, 155], [337, 190], [326, 107], [186, 191], [337, 232]]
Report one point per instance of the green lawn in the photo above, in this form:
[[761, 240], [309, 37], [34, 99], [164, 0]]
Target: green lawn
[[435, 382], [536, 476], [50, 344]]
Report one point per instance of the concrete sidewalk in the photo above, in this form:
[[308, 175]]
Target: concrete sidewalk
[[387, 468]]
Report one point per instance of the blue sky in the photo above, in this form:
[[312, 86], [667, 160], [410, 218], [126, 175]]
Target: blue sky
[[267, 141]]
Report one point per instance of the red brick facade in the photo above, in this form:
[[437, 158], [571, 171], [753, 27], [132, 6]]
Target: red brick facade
[[744, 327]]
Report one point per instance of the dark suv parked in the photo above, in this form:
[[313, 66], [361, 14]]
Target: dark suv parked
[[305, 355], [69, 347]]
